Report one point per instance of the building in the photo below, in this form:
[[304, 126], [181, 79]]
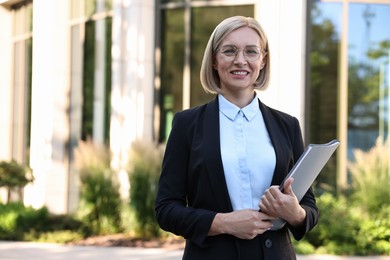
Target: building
[[117, 70]]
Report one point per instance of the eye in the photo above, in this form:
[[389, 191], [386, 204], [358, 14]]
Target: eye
[[229, 51], [252, 51]]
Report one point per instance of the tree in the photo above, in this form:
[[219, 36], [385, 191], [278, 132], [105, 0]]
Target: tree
[[14, 175]]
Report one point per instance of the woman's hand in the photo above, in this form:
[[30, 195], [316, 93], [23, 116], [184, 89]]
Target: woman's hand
[[244, 224], [284, 205]]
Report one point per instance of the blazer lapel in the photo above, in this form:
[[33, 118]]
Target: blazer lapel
[[212, 152]]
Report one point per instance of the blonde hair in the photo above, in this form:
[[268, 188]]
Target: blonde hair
[[209, 76]]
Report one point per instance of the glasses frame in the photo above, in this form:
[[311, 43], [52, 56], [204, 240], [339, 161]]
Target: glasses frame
[[232, 57]]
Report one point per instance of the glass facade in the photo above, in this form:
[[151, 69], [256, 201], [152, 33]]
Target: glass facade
[[368, 75], [323, 84], [90, 70], [363, 63]]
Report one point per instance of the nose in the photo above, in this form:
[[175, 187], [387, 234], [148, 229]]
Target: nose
[[240, 57]]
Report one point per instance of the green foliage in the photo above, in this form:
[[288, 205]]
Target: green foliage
[[303, 247], [15, 220], [103, 203], [357, 223], [13, 175], [18, 222], [337, 226], [371, 178], [145, 167], [99, 189], [60, 236], [374, 234]]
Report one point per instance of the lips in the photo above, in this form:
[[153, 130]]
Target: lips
[[240, 72]]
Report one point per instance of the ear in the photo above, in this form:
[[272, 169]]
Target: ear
[[215, 64], [262, 65]]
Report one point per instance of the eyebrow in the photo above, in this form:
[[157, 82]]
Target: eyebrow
[[232, 45]]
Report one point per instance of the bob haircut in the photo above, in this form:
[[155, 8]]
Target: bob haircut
[[209, 77]]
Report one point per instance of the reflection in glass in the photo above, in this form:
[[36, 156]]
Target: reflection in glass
[[368, 82], [93, 90], [88, 81], [172, 62], [322, 89]]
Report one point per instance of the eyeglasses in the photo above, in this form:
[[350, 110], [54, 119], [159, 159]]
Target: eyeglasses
[[251, 53]]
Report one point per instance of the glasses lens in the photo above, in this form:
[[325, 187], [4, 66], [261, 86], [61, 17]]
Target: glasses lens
[[251, 53], [229, 51]]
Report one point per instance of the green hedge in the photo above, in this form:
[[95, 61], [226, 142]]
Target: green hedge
[[18, 222]]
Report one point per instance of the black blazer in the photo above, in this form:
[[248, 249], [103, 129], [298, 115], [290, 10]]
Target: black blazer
[[192, 187]]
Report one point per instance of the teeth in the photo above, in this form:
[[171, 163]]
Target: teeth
[[239, 72]]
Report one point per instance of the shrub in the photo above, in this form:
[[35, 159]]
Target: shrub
[[144, 172], [357, 223], [370, 177], [303, 247], [370, 193], [374, 233], [337, 227], [99, 189], [18, 222]]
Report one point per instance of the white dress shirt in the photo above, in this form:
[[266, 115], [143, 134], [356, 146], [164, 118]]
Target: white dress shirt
[[248, 156]]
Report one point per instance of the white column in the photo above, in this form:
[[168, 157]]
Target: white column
[[132, 76], [5, 83], [5, 88], [49, 122], [285, 25]]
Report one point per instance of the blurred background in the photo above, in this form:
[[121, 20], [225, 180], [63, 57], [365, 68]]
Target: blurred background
[[82, 76]]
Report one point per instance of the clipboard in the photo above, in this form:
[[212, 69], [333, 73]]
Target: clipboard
[[306, 170]]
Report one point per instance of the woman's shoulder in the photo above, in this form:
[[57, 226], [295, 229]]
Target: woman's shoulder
[[194, 112], [278, 114]]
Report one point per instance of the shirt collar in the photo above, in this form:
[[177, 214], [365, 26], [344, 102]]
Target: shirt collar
[[230, 110]]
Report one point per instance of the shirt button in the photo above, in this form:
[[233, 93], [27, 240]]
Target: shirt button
[[268, 243]]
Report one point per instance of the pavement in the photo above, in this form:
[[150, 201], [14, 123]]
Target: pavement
[[47, 251]]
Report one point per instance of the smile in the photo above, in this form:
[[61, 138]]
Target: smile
[[239, 72]]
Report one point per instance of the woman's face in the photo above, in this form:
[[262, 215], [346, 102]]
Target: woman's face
[[236, 62]]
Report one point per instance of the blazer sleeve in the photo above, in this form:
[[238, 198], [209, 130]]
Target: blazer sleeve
[[172, 211], [308, 201]]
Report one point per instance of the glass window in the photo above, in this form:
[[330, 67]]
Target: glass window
[[367, 67], [368, 70], [88, 81], [322, 89], [92, 86], [172, 63], [22, 63], [90, 72]]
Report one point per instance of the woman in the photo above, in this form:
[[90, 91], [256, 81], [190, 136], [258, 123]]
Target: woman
[[225, 159]]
